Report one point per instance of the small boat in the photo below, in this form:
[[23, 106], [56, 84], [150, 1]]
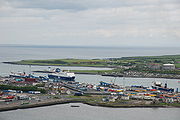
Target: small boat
[[75, 106]]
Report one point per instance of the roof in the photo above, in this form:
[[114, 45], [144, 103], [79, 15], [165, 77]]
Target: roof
[[168, 64]]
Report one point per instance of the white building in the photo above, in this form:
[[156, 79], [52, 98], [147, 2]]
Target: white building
[[168, 66]]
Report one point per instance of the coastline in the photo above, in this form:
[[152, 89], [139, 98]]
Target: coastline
[[96, 73], [56, 102], [98, 104], [13, 63], [111, 75]]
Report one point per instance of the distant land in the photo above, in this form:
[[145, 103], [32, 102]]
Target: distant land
[[140, 66], [107, 62], [83, 46]]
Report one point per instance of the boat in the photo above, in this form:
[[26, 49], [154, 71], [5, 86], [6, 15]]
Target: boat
[[18, 75], [158, 86], [21, 75], [75, 106], [62, 75]]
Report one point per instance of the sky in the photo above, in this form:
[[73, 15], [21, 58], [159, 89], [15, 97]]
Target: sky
[[90, 22]]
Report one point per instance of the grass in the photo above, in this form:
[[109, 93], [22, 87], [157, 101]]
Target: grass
[[91, 71], [168, 104], [86, 98], [126, 61], [177, 65], [65, 62], [138, 63]]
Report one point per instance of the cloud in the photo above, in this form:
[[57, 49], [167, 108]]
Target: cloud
[[96, 22], [82, 4]]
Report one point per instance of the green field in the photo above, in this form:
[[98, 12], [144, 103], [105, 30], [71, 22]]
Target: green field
[[110, 62], [92, 71], [177, 65], [64, 62]]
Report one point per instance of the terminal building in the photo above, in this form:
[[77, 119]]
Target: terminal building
[[168, 67], [154, 66]]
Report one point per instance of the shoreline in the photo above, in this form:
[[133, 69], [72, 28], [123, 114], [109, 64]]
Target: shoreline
[[90, 73], [12, 63], [110, 75], [57, 102]]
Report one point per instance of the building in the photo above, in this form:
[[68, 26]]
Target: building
[[154, 66], [168, 66]]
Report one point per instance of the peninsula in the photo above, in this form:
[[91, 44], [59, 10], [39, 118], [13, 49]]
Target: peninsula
[[167, 66]]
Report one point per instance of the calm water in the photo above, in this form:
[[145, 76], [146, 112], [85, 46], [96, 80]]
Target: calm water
[[84, 111], [13, 53], [47, 52]]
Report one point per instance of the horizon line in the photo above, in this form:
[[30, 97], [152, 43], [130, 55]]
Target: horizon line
[[82, 46]]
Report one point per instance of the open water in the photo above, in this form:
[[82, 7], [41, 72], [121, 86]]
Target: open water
[[85, 112], [65, 112]]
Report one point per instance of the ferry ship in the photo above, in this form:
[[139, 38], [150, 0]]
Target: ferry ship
[[21, 75], [61, 75], [18, 75], [158, 86]]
